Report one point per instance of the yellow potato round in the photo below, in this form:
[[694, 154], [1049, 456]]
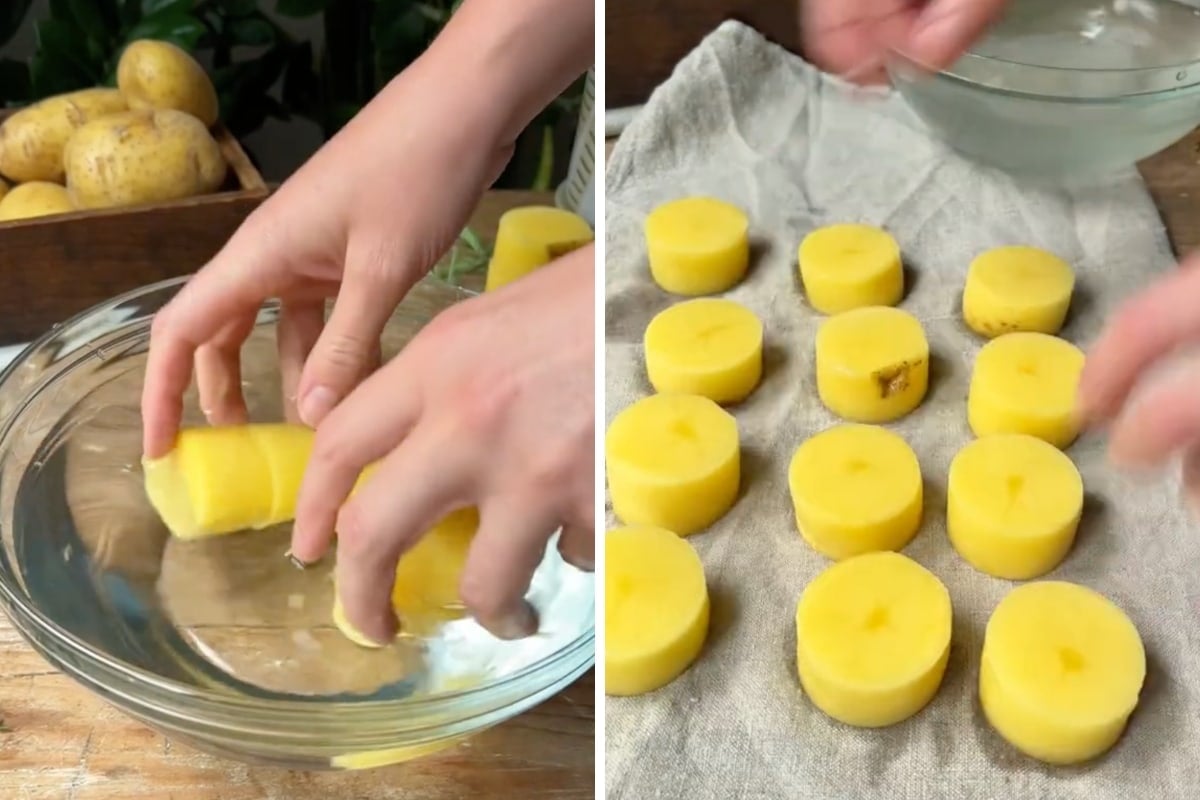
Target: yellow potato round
[[697, 245], [158, 75], [844, 267], [709, 346], [36, 199], [32, 139], [1017, 289], [1061, 671], [142, 157]]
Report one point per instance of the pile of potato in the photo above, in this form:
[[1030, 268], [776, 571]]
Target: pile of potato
[[146, 141]]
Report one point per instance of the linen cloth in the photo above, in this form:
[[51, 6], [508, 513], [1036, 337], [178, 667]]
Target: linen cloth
[[745, 121]]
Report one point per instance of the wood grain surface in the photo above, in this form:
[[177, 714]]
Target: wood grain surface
[[58, 741]]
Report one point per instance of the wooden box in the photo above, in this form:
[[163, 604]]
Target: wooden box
[[54, 267]]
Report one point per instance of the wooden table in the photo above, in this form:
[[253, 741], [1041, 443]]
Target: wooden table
[[59, 742]]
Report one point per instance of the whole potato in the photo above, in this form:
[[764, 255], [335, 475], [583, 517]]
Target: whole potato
[[142, 157], [3, 189], [32, 140], [35, 199], [159, 75]]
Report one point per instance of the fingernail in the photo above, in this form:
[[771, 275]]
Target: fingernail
[[521, 623], [316, 403], [296, 562]]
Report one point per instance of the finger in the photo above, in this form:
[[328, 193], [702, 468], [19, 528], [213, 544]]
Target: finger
[[1149, 326], [850, 38], [945, 29], [363, 429], [577, 546], [219, 373], [500, 565], [342, 355], [400, 501], [300, 325], [1161, 421], [234, 283]]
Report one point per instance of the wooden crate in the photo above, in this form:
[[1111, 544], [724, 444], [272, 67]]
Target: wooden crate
[[54, 267]]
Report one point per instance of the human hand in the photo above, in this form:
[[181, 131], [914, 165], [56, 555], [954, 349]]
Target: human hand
[[491, 405], [364, 219], [1152, 414], [853, 37]]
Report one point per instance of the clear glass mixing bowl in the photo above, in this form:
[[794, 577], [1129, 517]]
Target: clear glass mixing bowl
[[1067, 90], [223, 643]]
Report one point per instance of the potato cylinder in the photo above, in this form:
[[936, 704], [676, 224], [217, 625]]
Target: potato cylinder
[[844, 267], [155, 75], [673, 461], [529, 238], [856, 489], [872, 364], [873, 639], [1013, 504], [1011, 289], [1026, 383], [697, 245], [709, 347], [142, 157], [425, 589], [1061, 671], [656, 609], [32, 140]]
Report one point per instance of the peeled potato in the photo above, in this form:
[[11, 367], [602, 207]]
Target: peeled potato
[[708, 346], [154, 75], [873, 639], [224, 479], [697, 245], [35, 199], [850, 266], [872, 364], [1017, 289], [673, 461], [1061, 671], [530, 237], [656, 609]]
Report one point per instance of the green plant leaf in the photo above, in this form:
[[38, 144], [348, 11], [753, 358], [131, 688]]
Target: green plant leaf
[[155, 6], [301, 87], [239, 8], [12, 12], [252, 32], [15, 86], [170, 25], [131, 12], [61, 62], [301, 8]]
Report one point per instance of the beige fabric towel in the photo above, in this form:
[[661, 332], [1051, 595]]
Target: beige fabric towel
[[745, 121]]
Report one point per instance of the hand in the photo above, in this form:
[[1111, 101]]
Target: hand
[[491, 405], [1152, 414], [853, 37], [364, 219]]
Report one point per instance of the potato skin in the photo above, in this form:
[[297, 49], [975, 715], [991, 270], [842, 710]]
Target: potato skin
[[32, 139], [35, 199], [142, 157], [159, 75]]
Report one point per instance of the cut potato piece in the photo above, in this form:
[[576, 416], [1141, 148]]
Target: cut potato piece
[[697, 245], [1013, 505], [1011, 289], [873, 639], [709, 347], [844, 267], [856, 489], [872, 364], [530, 237], [673, 461], [1061, 671], [1026, 383], [656, 609]]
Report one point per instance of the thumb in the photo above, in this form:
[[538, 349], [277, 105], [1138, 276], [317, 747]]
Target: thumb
[[348, 348], [946, 28]]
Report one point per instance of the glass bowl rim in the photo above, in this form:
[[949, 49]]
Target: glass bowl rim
[[31, 621]]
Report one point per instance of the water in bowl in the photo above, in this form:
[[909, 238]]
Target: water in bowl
[[229, 614]]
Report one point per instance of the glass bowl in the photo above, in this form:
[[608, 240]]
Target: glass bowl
[[223, 643], [1066, 90]]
